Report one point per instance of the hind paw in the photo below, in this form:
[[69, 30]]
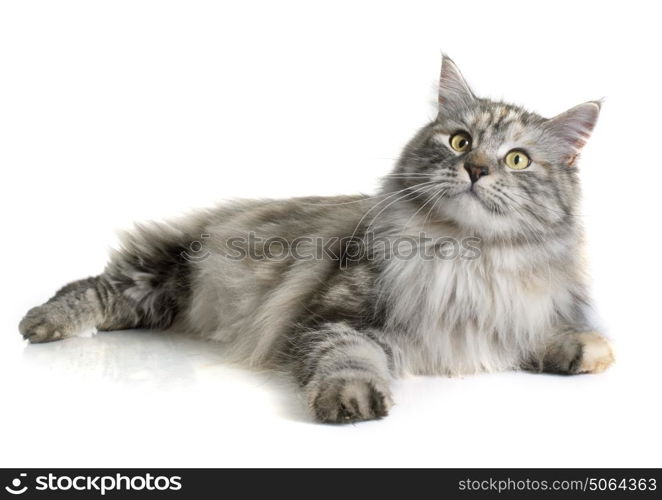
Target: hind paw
[[44, 324]]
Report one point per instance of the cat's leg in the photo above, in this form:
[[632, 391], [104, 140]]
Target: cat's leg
[[80, 306], [344, 372], [573, 352], [145, 285]]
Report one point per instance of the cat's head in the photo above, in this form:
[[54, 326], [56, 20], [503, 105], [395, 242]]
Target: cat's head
[[491, 167]]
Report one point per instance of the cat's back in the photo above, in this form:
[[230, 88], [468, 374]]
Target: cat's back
[[290, 218]]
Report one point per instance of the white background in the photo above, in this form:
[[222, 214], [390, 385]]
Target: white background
[[118, 111]]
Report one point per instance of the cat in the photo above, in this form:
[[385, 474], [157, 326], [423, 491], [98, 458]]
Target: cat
[[467, 260]]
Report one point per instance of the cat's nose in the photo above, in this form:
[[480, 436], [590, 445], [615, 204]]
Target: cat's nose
[[475, 171]]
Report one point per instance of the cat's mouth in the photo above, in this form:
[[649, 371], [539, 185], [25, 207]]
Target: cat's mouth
[[477, 195], [473, 192]]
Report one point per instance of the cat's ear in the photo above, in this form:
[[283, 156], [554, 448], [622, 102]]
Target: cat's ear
[[454, 92], [570, 130]]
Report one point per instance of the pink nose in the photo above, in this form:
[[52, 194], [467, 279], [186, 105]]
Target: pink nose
[[475, 171]]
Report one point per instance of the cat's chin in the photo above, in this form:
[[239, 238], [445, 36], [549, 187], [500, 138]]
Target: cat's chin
[[468, 211]]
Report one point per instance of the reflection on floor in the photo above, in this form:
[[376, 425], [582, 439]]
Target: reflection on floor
[[153, 360]]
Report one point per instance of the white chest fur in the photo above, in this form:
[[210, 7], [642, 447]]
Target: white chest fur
[[460, 316]]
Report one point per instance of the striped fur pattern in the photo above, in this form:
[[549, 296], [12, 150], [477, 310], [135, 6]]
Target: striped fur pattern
[[346, 322]]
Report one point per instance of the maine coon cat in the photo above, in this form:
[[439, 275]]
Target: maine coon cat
[[467, 260]]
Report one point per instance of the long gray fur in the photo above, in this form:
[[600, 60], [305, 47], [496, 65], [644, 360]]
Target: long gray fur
[[345, 324]]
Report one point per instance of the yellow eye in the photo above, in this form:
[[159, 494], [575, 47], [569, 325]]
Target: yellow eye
[[460, 142], [517, 159]]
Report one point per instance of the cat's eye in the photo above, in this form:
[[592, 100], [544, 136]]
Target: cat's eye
[[460, 142], [517, 160]]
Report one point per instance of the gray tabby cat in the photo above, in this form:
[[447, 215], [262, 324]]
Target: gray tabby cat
[[483, 199]]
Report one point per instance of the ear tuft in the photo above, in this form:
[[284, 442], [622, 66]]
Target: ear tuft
[[572, 128], [454, 92]]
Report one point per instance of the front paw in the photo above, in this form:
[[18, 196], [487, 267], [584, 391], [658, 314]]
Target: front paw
[[43, 324], [597, 354], [346, 400], [585, 352]]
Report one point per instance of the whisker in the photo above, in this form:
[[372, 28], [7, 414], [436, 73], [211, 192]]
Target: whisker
[[440, 196], [361, 200], [558, 212], [358, 224], [419, 192], [417, 212]]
